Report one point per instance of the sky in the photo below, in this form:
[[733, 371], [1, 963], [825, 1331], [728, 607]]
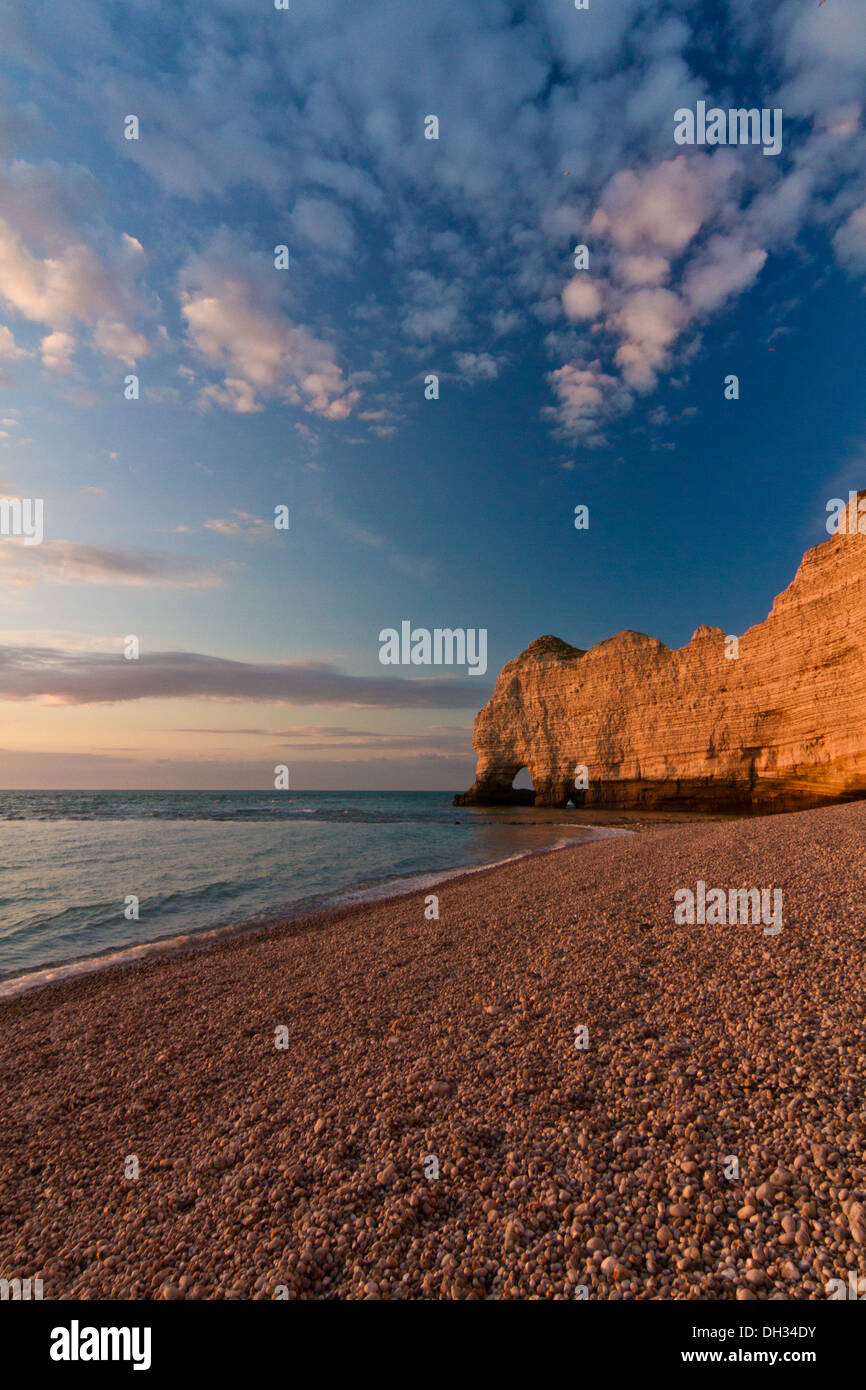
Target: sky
[[307, 387]]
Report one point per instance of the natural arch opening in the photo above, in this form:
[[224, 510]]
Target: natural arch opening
[[522, 789]]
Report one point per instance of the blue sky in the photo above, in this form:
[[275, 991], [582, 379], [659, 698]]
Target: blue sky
[[305, 387]]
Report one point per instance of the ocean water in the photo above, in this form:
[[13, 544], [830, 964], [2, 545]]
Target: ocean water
[[69, 861]]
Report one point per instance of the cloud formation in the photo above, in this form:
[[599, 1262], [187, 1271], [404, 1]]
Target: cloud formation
[[450, 740], [55, 273], [555, 126], [242, 524], [235, 321], [69, 562], [87, 678]]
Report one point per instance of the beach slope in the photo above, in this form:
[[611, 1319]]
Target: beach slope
[[430, 1128]]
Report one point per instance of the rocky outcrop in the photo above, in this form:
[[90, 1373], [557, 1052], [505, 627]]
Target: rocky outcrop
[[779, 726]]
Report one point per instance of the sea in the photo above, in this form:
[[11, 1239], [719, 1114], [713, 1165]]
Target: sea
[[94, 876]]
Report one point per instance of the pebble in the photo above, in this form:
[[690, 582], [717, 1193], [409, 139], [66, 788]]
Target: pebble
[[554, 1167]]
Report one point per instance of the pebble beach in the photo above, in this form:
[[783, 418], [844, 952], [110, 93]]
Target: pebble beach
[[549, 1091]]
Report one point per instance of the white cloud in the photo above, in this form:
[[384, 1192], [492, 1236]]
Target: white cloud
[[9, 349], [581, 298], [57, 349], [325, 229], [648, 323], [50, 275], [472, 227], [849, 243], [433, 307], [662, 208], [585, 397], [113, 338], [242, 524], [726, 267], [643, 270], [235, 322], [234, 394], [67, 562], [477, 366]]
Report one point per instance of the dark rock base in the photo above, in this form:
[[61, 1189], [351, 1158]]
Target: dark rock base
[[704, 795]]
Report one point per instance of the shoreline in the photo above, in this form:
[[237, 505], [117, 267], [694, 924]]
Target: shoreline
[[308, 1168], [307, 913]]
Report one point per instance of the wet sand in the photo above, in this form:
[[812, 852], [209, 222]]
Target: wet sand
[[418, 1046]]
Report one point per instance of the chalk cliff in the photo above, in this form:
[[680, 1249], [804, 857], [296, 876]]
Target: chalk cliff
[[781, 726]]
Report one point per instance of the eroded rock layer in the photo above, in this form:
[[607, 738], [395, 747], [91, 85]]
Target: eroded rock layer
[[780, 726]]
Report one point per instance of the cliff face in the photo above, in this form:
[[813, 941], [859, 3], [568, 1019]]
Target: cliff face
[[781, 726]]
